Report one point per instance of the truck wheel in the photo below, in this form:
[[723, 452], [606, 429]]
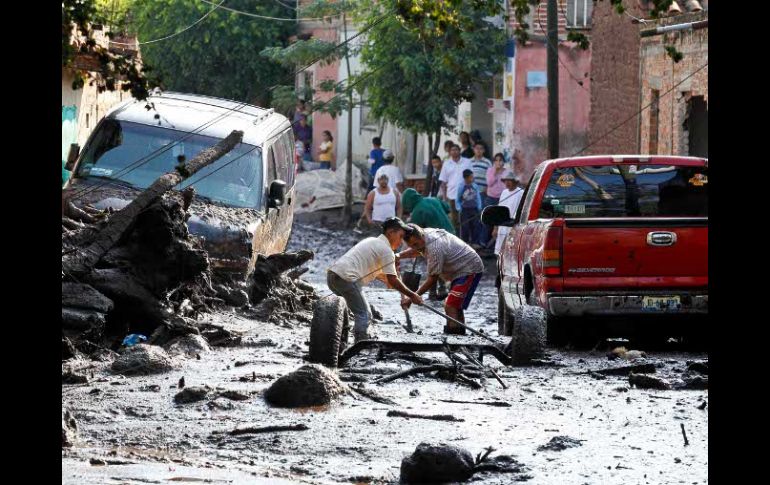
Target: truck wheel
[[528, 334], [504, 318], [329, 331]]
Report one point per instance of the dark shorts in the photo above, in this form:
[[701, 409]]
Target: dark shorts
[[462, 290]]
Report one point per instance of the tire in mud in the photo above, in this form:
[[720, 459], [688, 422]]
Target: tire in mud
[[528, 334], [501, 315], [329, 331]]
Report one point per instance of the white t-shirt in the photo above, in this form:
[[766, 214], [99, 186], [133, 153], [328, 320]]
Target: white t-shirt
[[383, 205], [509, 199], [366, 261], [452, 174], [393, 173]]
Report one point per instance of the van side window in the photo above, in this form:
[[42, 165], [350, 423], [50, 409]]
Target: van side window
[[271, 171], [290, 169], [281, 158]]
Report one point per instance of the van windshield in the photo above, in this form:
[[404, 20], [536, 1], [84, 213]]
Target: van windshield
[[626, 191], [138, 154]]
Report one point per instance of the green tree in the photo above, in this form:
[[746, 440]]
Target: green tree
[[431, 66], [113, 70], [304, 53], [220, 55]]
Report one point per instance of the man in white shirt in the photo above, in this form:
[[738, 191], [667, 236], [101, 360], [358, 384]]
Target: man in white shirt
[[370, 259], [395, 179], [510, 198], [451, 177]]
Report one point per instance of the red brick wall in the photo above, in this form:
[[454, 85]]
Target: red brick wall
[[659, 72], [614, 80]]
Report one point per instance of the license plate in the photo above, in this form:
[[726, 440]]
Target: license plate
[[661, 303]]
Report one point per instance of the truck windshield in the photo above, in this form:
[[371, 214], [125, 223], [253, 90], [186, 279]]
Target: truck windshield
[[138, 154], [626, 191]]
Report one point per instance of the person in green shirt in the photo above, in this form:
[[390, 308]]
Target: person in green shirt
[[428, 212]]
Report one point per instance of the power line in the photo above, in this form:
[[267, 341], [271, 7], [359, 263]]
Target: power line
[[640, 111], [279, 2], [375, 22], [548, 42], [177, 33], [265, 17], [146, 159]]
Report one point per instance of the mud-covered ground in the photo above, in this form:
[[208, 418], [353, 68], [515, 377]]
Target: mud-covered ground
[[132, 431]]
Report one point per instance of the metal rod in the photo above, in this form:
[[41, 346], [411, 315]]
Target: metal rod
[[473, 331]]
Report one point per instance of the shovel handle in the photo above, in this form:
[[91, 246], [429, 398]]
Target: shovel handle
[[473, 331]]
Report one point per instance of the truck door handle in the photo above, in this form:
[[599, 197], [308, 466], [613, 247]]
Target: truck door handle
[[662, 238]]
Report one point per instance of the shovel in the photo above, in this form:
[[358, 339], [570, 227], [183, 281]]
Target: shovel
[[411, 280]]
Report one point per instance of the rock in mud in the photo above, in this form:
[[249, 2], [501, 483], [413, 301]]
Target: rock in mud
[[699, 367], [643, 381], [499, 464], [560, 443], [437, 464], [695, 382], [143, 359], [310, 385], [189, 345], [192, 394], [69, 429]]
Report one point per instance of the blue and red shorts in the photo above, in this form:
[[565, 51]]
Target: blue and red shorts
[[462, 290]]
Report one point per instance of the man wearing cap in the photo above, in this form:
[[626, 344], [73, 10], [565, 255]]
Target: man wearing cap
[[395, 179], [510, 198], [370, 259], [451, 259]]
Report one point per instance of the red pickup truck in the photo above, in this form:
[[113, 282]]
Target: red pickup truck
[[600, 237]]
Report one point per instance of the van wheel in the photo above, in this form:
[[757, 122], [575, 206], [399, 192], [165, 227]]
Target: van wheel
[[528, 334], [329, 331]]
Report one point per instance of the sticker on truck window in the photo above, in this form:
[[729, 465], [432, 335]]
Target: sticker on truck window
[[699, 180], [566, 180], [106, 172], [574, 209]]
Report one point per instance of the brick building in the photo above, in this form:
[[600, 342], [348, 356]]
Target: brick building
[[629, 72], [676, 121]]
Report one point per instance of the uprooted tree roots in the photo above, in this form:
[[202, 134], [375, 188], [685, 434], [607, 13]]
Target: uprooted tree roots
[[156, 280]]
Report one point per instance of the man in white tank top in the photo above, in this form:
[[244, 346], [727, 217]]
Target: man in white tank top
[[383, 202]]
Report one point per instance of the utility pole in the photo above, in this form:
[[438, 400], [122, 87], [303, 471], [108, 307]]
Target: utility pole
[[553, 80]]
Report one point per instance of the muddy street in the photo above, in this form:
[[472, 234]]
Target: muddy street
[[568, 419]]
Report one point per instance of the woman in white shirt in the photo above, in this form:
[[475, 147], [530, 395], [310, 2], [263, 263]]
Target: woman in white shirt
[[383, 202]]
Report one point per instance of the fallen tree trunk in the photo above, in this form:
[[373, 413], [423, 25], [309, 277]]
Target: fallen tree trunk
[[82, 261]]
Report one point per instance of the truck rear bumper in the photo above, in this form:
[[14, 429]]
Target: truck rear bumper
[[647, 304]]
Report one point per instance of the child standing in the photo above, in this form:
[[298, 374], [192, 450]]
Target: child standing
[[468, 204]]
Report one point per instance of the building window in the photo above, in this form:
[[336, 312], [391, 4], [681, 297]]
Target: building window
[[579, 14], [367, 122], [87, 120], [654, 115]]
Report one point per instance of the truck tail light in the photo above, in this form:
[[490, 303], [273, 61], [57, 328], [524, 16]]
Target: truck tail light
[[552, 252]]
